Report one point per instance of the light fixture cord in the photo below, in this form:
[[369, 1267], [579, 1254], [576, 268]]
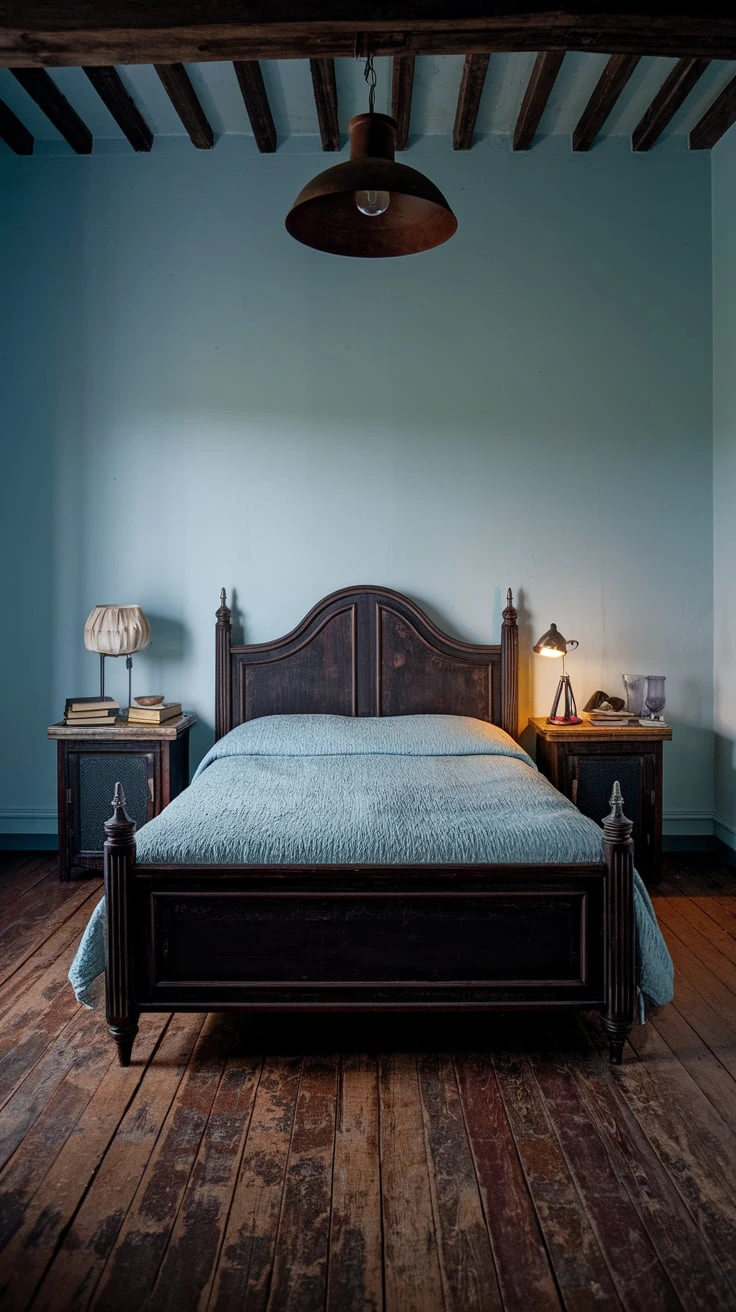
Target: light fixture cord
[[369, 73]]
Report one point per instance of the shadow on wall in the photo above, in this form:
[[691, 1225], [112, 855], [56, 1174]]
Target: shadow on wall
[[200, 740], [238, 620], [169, 638], [171, 644]]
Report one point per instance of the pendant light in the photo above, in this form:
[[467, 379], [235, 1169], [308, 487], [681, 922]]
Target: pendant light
[[371, 206]]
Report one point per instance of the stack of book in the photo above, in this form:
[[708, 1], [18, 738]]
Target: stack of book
[[153, 714], [612, 718], [90, 710]]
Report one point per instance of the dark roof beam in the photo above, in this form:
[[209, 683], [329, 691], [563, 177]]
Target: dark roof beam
[[610, 84], [546, 67], [253, 91], [14, 133], [52, 32], [325, 97], [468, 101], [402, 85], [42, 89], [111, 90], [177, 85], [673, 92], [717, 120]]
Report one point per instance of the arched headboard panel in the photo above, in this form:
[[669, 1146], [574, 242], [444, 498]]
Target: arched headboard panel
[[366, 651]]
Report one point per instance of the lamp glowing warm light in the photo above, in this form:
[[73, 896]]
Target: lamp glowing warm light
[[553, 644], [116, 631]]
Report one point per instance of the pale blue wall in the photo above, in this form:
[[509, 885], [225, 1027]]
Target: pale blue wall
[[724, 483], [192, 399]]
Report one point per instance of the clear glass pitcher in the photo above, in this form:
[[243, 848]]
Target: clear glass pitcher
[[635, 686]]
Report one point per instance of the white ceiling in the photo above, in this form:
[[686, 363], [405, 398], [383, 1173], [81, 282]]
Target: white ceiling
[[434, 101]]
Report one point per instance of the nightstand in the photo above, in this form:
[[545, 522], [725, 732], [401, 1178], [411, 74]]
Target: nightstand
[[583, 760], [150, 761]]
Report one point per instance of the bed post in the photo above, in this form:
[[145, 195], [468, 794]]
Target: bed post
[[618, 850], [223, 670], [509, 669], [120, 1006]]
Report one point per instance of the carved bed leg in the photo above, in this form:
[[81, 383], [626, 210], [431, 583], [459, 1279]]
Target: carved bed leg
[[120, 1007], [618, 849], [124, 1039]]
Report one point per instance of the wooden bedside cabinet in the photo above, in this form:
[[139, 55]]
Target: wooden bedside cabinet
[[583, 760], [150, 761]]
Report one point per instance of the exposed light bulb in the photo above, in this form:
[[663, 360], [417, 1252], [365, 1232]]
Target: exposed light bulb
[[372, 203]]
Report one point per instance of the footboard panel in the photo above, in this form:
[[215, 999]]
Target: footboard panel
[[359, 939]]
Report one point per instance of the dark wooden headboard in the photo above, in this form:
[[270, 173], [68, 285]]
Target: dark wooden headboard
[[366, 651]]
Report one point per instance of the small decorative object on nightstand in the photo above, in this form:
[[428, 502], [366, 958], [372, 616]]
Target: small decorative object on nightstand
[[584, 761], [654, 698], [150, 760]]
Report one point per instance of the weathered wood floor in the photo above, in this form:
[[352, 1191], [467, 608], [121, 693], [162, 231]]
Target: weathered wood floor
[[349, 1166]]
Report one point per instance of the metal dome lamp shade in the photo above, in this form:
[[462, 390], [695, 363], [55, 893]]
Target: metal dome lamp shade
[[116, 631], [553, 644], [371, 207]]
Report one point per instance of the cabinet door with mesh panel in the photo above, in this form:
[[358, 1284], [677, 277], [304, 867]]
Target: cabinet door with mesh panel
[[589, 784], [97, 774]]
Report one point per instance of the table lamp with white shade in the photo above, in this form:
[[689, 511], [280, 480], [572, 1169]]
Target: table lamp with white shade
[[116, 631]]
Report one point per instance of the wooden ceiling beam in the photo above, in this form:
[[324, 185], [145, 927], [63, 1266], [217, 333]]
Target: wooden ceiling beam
[[14, 133], [468, 101], [546, 67], [111, 90], [611, 83], [37, 83], [402, 85], [181, 93], [54, 32], [673, 92], [718, 119], [325, 97], [253, 91]]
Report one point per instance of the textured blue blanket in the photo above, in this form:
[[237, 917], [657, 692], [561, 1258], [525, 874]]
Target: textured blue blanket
[[415, 789]]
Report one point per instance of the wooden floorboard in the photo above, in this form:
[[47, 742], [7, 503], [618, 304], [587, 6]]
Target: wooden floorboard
[[498, 1164]]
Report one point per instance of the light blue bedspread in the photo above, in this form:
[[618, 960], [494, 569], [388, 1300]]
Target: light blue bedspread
[[404, 790]]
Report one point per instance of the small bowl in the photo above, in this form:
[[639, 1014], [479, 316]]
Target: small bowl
[[148, 701]]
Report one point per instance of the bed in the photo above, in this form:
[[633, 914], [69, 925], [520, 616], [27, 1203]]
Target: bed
[[402, 869]]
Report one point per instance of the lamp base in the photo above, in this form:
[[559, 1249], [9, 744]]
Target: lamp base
[[565, 695]]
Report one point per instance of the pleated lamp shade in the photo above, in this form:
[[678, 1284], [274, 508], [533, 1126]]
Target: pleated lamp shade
[[116, 630]]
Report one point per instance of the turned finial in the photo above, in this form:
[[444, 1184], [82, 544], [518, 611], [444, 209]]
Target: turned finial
[[120, 824], [509, 614], [223, 614], [616, 826], [118, 803], [616, 801]]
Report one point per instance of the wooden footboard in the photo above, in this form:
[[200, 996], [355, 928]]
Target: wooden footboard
[[314, 938]]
